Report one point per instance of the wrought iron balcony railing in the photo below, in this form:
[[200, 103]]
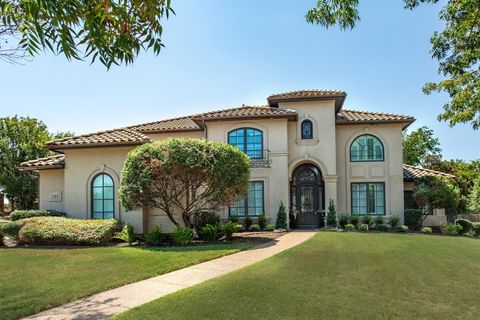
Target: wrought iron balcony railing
[[260, 159]]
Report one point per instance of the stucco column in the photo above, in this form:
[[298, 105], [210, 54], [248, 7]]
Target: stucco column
[[330, 190]]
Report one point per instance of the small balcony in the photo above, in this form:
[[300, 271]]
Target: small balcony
[[261, 160]]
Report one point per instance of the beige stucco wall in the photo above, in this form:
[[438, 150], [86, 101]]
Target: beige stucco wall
[[51, 181]]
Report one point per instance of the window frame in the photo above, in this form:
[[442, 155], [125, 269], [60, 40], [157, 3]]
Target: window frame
[[367, 185], [245, 201], [304, 122], [367, 160], [245, 142], [103, 199]]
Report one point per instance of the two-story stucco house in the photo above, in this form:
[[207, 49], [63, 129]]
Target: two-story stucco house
[[305, 149]]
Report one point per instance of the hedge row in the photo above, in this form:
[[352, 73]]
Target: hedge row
[[24, 214]]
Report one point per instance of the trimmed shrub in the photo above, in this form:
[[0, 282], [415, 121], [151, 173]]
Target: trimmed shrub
[[343, 221], [467, 225], [403, 229], [354, 219], [381, 227], [269, 227], [247, 222], [451, 229], [379, 220], [367, 219], [393, 221], [476, 229], [11, 229], [363, 227], [24, 214], [349, 227], [262, 221], [154, 237], [426, 230], [413, 218], [206, 217], [209, 232], [281, 222], [255, 227], [331, 214], [240, 228], [228, 229], [182, 236], [233, 219], [126, 235], [59, 230]]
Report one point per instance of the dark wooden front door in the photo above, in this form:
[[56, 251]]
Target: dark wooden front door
[[307, 196]]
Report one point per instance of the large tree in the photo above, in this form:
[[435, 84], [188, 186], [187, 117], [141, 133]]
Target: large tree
[[457, 49], [112, 31], [419, 146], [183, 177], [436, 192]]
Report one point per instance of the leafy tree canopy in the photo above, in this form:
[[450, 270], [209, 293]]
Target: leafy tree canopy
[[457, 49], [436, 192], [419, 146], [183, 177], [112, 31], [474, 197]]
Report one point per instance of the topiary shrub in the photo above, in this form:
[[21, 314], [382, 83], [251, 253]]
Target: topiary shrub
[[354, 219], [343, 221], [58, 230], [209, 232], [402, 229], [262, 221], [255, 227], [379, 220], [182, 236], [11, 229], [349, 227], [281, 222], [381, 227], [331, 214], [24, 214], [126, 235], [269, 227], [363, 227], [154, 237], [467, 225], [451, 229], [413, 218], [228, 229], [247, 222], [367, 219], [426, 230], [393, 221]]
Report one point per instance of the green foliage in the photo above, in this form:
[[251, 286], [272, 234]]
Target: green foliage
[[413, 218], [393, 221], [403, 229], [420, 145], [354, 219], [240, 228], [209, 232], [436, 192], [343, 220], [452, 229], [155, 236], [233, 219], [126, 235], [11, 229], [262, 221], [476, 229], [328, 13], [465, 224], [206, 217], [331, 214], [281, 222], [474, 197], [185, 176], [381, 227], [349, 227], [59, 230], [255, 227], [228, 229], [363, 227], [21, 139], [182, 236], [23, 214], [426, 230], [113, 31], [269, 227], [367, 219], [248, 222]]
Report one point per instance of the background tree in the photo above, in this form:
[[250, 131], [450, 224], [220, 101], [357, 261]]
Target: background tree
[[183, 177], [456, 48], [112, 31], [474, 197], [436, 192], [419, 146]]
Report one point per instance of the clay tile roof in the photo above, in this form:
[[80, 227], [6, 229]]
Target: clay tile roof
[[123, 136], [177, 124], [311, 95], [53, 162], [412, 173], [247, 112], [355, 116]]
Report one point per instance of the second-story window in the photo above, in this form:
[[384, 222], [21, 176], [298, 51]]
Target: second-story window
[[307, 130], [248, 140]]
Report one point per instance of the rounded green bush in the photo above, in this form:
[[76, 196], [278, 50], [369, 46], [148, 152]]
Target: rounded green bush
[[402, 229], [426, 230], [451, 229], [379, 220], [209, 232], [239, 228], [466, 225], [262, 221], [269, 227], [183, 236], [24, 214], [228, 229], [354, 219], [255, 227], [363, 227], [381, 227], [154, 237], [343, 221], [349, 227], [393, 221]]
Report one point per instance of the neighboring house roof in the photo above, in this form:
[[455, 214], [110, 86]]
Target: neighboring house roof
[[308, 95], [355, 117], [411, 173], [53, 162]]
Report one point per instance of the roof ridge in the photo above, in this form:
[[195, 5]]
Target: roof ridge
[[376, 112], [309, 91], [426, 169], [152, 122], [83, 135], [45, 158], [232, 108]]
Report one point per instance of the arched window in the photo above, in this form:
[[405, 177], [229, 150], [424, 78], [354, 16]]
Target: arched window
[[103, 205], [248, 140], [307, 130], [366, 148]]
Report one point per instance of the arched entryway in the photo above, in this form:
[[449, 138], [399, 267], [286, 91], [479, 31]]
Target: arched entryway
[[307, 196]]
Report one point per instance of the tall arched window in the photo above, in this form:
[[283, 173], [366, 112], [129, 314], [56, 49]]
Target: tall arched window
[[103, 205], [307, 130], [366, 148], [248, 140]]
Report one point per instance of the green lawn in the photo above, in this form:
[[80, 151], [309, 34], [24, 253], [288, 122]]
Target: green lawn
[[35, 279], [341, 276]]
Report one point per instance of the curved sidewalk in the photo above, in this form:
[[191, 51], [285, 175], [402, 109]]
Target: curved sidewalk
[[111, 302]]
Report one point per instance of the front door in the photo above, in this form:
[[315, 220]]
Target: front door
[[307, 196]]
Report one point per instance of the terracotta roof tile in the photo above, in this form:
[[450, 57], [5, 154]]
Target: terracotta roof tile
[[177, 124], [246, 112], [112, 137], [315, 93], [53, 162], [412, 173], [356, 116]]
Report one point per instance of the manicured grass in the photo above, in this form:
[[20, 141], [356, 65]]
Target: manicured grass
[[35, 279], [341, 276]]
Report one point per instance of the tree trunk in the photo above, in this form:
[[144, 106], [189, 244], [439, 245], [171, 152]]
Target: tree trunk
[[2, 203]]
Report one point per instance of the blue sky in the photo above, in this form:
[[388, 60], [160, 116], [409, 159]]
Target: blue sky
[[221, 54]]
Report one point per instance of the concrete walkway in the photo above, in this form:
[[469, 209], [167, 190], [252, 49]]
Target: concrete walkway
[[111, 302]]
